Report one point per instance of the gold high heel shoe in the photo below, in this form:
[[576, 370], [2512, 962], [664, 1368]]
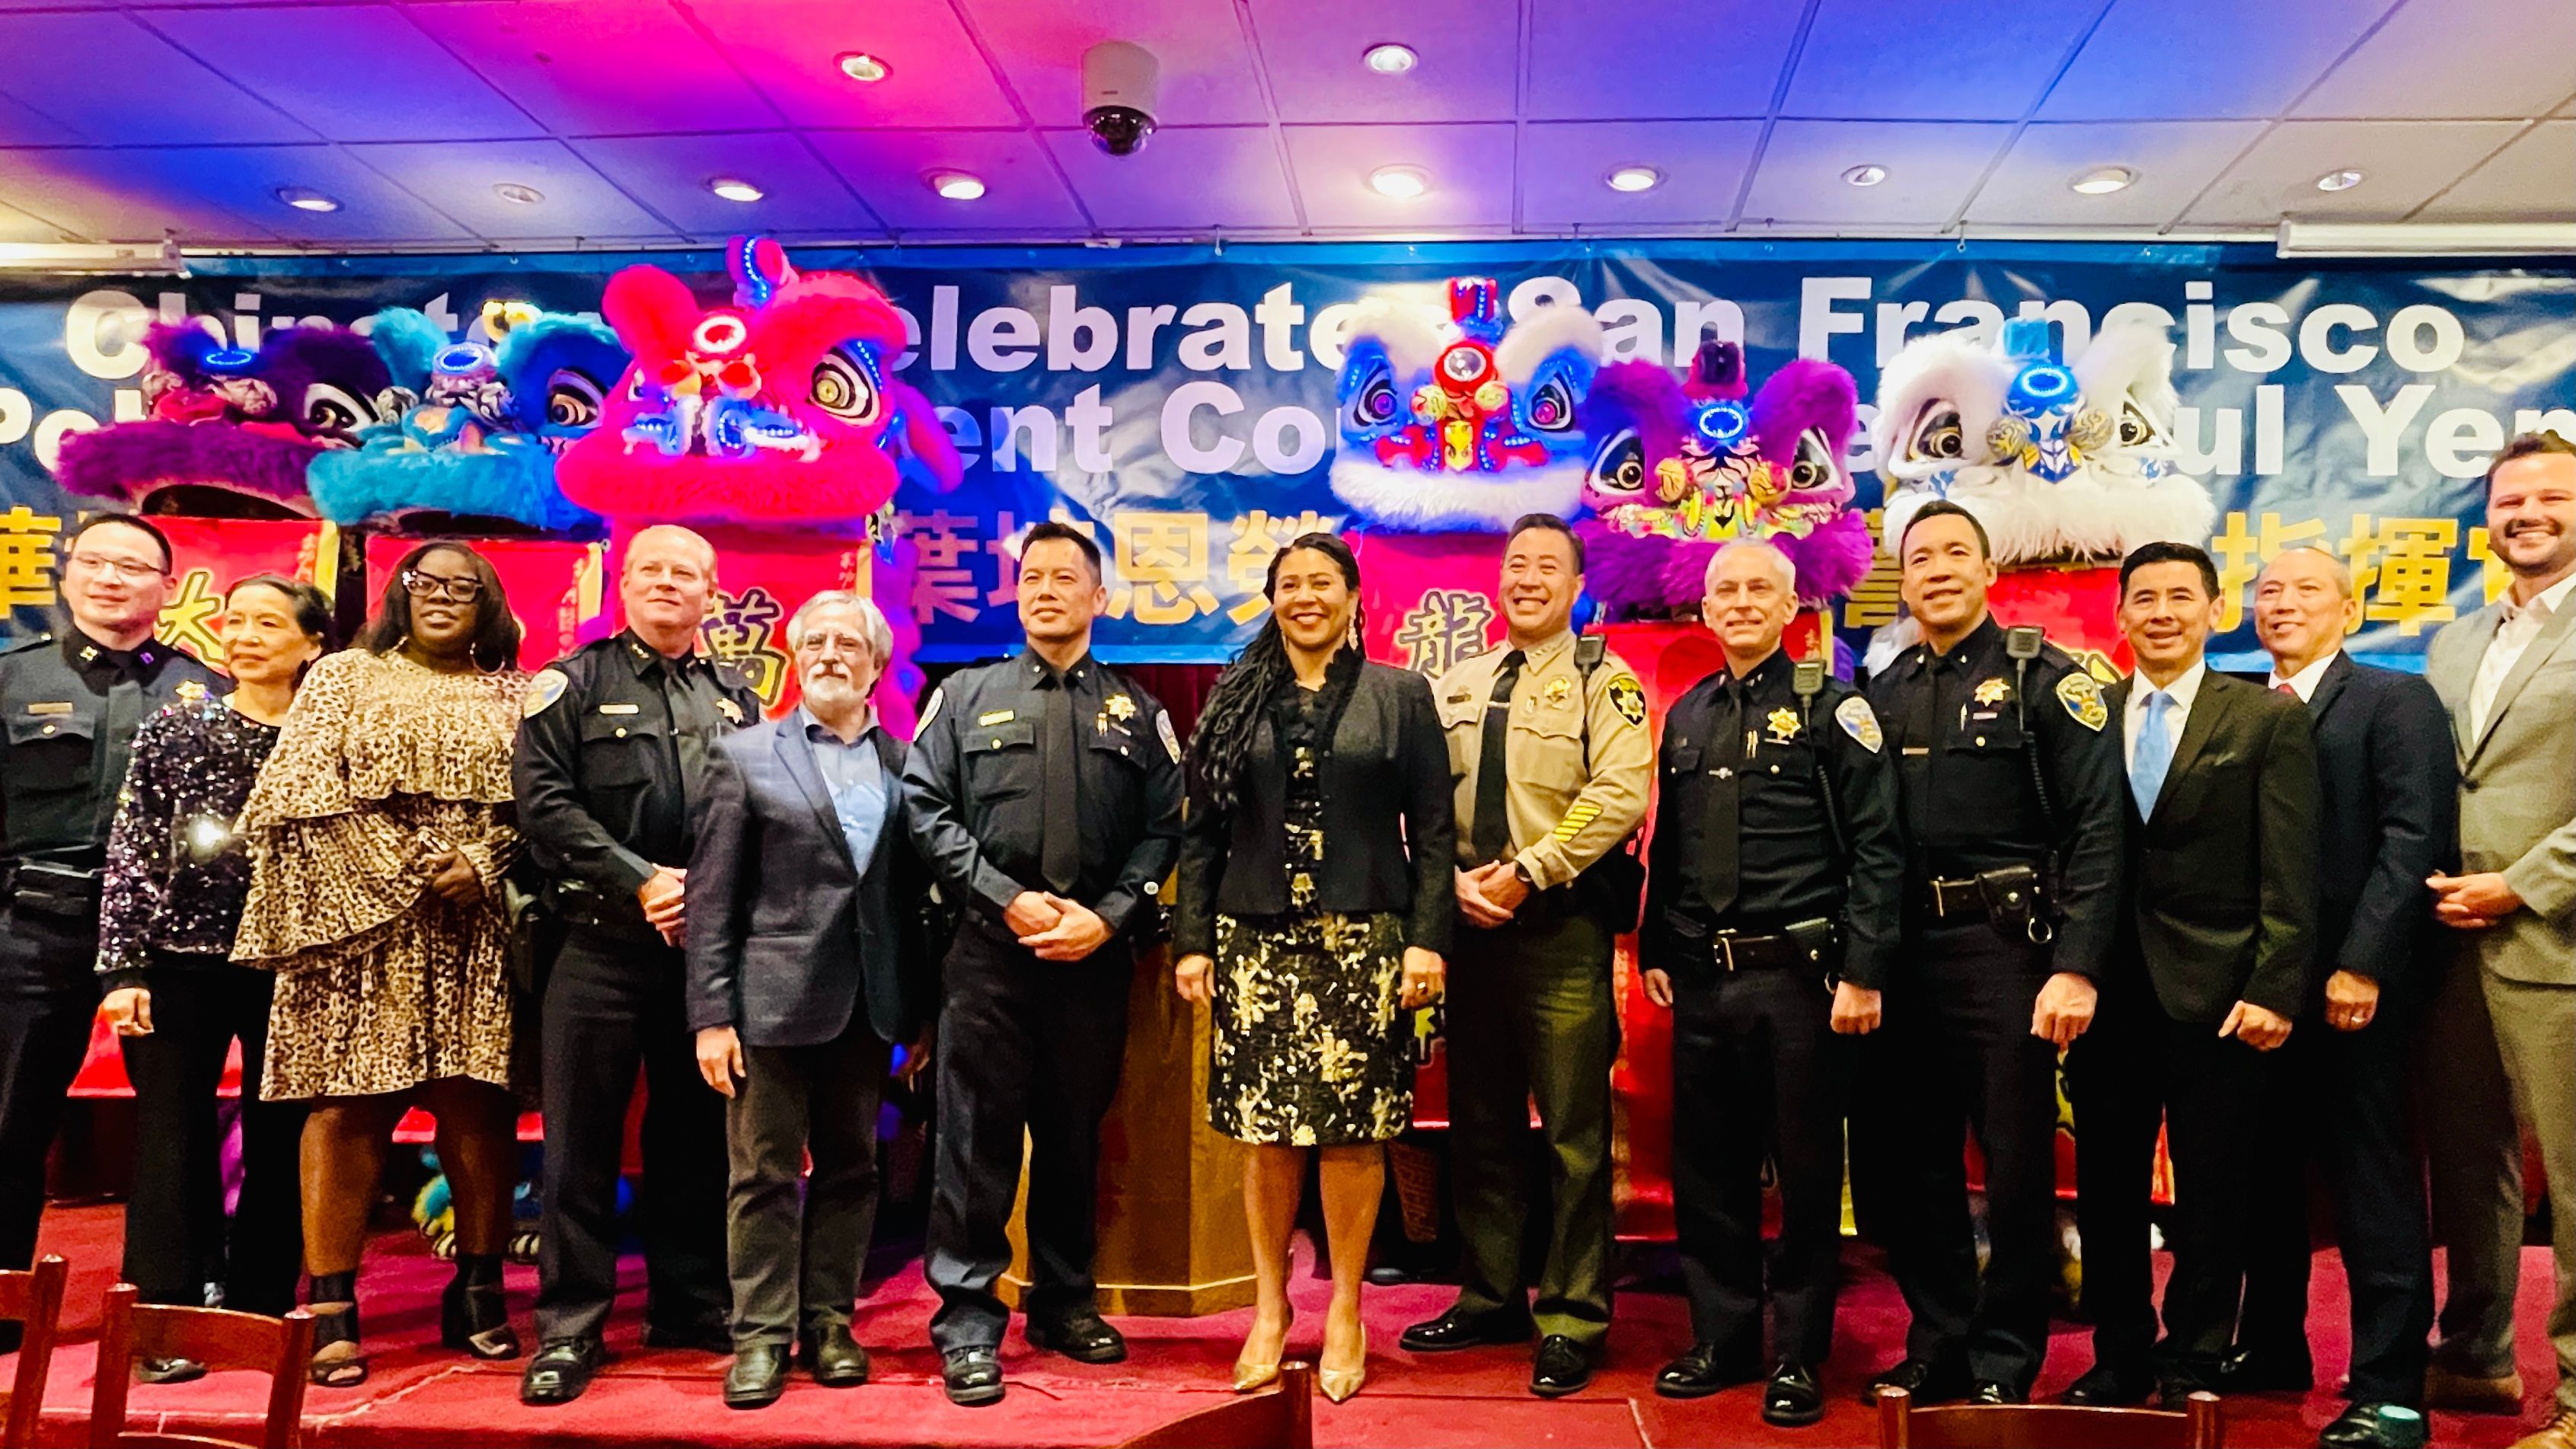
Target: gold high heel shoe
[[1339, 1384], [1250, 1373]]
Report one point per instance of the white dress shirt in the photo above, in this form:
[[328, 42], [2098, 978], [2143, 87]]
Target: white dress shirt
[[2304, 683], [2182, 691], [2516, 626]]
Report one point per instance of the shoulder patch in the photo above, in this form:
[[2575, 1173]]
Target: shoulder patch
[[1629, 698], [544, 688], [930, 709], [1171, 739], [2083, 700], [1854, 715]]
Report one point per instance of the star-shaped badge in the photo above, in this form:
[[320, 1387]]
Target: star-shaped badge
[[1784, 725], [1992, 691]]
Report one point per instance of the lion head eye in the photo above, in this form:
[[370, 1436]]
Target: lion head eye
[[572, 400], [1937, 436], [1619, 469], [846, 387]]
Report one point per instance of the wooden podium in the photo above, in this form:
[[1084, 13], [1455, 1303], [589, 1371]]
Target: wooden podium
[[1172, 1236]]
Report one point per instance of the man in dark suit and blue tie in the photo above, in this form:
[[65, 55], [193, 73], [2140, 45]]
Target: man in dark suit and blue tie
[[805, 969], [2221, 915]]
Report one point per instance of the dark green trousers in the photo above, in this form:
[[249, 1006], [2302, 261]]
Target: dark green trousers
[[1530, 1018]]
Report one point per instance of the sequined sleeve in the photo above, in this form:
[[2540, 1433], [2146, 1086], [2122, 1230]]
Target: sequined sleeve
[[138, 857]]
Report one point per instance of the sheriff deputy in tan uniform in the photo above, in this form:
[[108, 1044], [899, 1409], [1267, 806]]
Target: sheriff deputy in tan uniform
[[1548, 744]]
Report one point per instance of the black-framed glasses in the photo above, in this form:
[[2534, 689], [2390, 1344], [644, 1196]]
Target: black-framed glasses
[[437, 586]]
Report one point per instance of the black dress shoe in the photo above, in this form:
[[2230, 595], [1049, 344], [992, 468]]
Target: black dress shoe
[[559, 1372], [1791, 1399], [168, 1371], [833, 1357], [1455, 1330], [757, 1378], [973, 1376], [1988, 1391], [1700, 1373], [706, 1335], [2111, 1386], [1562, 1367], [2374, 1426], [2261, 1371], [1925, 1383], [1081, 1335]]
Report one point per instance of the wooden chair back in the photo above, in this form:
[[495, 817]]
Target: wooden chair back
[[1280, 1417], [34, 1300], [2047, 1426], [282, 1348]]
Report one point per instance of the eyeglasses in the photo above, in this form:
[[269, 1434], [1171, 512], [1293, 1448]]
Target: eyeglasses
[[834, 642], [434, 586], [122, 570]]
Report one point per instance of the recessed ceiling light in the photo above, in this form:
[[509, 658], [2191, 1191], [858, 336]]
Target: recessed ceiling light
[[1868, 175], [1390, 58], [1635, 178], [733, 190], [2103, 180], [305, 198], [956, 185], [2344, 180], [516, 194], [864, 68], [1400, 182]]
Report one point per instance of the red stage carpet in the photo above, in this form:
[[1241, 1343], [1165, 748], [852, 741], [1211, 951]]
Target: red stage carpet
[[421, 1395]]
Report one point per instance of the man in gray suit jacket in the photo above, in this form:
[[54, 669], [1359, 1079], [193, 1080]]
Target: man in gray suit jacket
[[2508, 675], [802, 977]]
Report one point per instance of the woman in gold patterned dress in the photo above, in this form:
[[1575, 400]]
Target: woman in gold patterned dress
[[378, 833], [1315, 901]]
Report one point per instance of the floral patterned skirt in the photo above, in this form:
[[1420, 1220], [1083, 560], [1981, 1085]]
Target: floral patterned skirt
[[1308, 1049]]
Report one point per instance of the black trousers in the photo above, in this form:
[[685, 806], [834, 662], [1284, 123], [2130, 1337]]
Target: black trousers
[[1533, 1020], [1025, 1046], [796, 1255], [48, 995], [610, 1004], [2340, 1100], [176, 1237], [2135, 1068], [1758, 1072], [1956, 1058]]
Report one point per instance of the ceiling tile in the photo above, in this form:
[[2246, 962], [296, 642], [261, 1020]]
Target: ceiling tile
[[302, 59], [2534, 179], [2174, 160], [458, 177], [1930, 166], [245, 180], [1576, 44], [622, 68], [1467, 59], [2402, 163], [1234, 180], [20, 126], [18, 226], [1206, 66], [792, 48], [104, 195], [1470, 169], [2193, 74], [2439, 58], [670, 174], [57, 64], [1022, 196], [1563, 166], [1867, 58]]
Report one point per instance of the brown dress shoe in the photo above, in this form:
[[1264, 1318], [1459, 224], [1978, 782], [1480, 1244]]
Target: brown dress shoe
[[2471, 1394], [2558, 1433]]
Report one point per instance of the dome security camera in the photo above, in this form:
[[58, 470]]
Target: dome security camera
[[1118, 94]]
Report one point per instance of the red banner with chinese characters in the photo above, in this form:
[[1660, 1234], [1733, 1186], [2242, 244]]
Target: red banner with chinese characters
[[554, 587], [209, 555]]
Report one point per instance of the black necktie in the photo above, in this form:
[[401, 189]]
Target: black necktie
[[1722, 840], [688, 723], [1060, 845], [1492, 837]]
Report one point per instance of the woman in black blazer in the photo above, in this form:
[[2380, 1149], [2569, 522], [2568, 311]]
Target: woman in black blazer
[[1314, 907]]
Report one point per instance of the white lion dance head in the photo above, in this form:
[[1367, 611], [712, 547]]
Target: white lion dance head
[[2061, 463]]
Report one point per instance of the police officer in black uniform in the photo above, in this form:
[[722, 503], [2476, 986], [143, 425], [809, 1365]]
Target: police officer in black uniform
[[72, 703], [1772, 905], [2010, 764], [609, 759], [1045, 791]]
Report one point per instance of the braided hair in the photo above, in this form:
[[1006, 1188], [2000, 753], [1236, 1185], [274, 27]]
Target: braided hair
[[1222, 742]]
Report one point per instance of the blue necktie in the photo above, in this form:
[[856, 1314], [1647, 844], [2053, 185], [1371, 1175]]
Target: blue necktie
[[2153, 756]]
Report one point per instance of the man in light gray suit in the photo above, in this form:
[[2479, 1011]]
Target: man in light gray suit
[[2508, 675]]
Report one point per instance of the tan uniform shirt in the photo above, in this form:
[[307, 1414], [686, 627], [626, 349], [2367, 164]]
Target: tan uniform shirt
[[1562, 819]]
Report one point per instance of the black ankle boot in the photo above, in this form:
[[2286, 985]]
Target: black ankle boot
[[472, 1314], [332, 1299]]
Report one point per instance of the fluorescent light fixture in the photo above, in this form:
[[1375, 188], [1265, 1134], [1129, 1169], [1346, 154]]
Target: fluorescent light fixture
[[1401, 183], [516, 194], [115, 259], [1866, 175], [733, 190], [2344, 180], [2426, 239], [864, 68], [1635, 178], [2103, 180], [1389, 58], [305, 198], [956, 185]]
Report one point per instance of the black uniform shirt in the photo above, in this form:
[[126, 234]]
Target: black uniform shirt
[[611, 753], [1750, 746], [72, 707], [974, 787], [1957, 722]]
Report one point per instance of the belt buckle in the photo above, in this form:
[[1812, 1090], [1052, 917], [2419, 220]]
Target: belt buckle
[[1726, 950]]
